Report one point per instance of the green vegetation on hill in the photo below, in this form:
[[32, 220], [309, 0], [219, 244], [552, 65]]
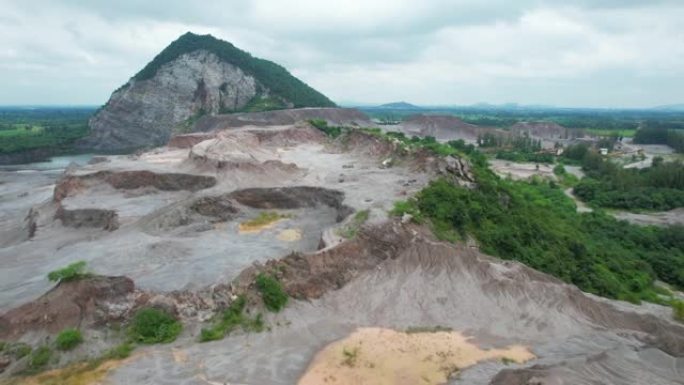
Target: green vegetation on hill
[[272, 76], [535, 223]]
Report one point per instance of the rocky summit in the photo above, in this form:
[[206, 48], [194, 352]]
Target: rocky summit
[[195, 75]]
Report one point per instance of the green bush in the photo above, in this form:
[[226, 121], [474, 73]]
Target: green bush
[[272, 292], [39, 358], [230, 319], [152, 325], [68, 339], [70, 273]]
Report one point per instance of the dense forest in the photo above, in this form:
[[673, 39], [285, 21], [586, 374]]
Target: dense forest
[[659, 187], [272, 76], [657, 133], [535, 223], [56, 128]]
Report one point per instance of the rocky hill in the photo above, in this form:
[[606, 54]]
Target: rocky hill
[[195, 75]]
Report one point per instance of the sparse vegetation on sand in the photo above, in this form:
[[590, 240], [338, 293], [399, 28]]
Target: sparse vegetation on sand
[[350, 356], [265, 218], [230, 319], [152, 325], [72, 272], [272, 293], [68, 339]]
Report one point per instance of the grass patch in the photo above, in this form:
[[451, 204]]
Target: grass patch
[[151, 326], [272, 293], [678, 310], [17, 350], [507, 361], [230, 319], [120, 352], [68, 339], [72, 272], [350, 230]]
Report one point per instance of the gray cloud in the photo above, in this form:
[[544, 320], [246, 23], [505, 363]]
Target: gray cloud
[[573, 52]]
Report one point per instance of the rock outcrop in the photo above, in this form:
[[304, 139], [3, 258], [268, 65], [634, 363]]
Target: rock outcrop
[[80, 303], [194, 76]]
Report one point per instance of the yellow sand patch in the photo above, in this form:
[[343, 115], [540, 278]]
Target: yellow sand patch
[[290, 235], [75, 374], [383, 356], [265, 220]]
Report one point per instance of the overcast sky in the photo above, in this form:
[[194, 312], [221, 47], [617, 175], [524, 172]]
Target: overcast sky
[[576, 53]]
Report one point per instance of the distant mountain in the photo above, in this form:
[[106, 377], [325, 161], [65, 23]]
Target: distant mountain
[[399, 106], [670, 107], [195, 75]]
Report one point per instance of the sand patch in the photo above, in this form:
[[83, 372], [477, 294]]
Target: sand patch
[[290, 235], [383, 356]]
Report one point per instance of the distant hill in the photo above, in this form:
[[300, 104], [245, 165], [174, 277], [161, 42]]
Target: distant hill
[[195, 75], [670, 107], [399, 106]]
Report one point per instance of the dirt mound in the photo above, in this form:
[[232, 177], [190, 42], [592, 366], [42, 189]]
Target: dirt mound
[[543, 130], [444, 127], [334, 116], [129, 180], [292, 198], [188, 140], [76, 304], [364, 143], [94, 218], [401, 248]]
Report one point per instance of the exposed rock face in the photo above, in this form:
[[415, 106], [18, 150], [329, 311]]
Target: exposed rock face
[[95, 218], [444, 127], [81, 303], [144, 113], [334, 116], [543, 130], [194, 76], [128, 180]]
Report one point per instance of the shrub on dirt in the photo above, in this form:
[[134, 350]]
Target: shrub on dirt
[[230, 319], [152, 325], [68, 339], [39, 358], [275, 298], [72, 272]]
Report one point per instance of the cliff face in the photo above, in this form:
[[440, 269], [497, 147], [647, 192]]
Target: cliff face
[[194, 76]]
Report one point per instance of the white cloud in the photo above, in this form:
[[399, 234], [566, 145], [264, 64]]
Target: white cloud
[[579, 53]]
